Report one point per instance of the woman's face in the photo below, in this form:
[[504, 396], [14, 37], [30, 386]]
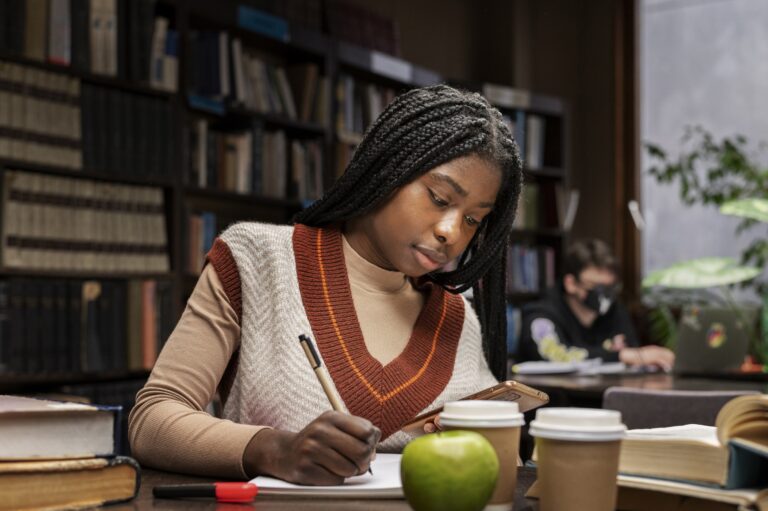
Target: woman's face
[[430, 221]]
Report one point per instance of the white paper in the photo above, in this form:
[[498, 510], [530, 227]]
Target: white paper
[[384, 483]]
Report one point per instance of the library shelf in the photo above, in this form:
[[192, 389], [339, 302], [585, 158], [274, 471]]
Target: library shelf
[[201, 104], [84, 275], [544, 172], [13, 382], [113, 82], [384, 68], [243, 199], [8, 163], [540, 232]]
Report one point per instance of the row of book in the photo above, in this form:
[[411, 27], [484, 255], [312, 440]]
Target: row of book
[[550, 205], [39, 116], [353, 22], [126, 134], [530, 132], [359, 104], [256, 161], [223, 70], [123, 38], [201, 231], [530, 269], [64, 223], [51, 326]]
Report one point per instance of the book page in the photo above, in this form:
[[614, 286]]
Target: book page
[[742, 416], [692, 432], [384, 483]]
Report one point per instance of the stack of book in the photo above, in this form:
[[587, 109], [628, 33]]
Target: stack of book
[[56, 455], [721, 467]]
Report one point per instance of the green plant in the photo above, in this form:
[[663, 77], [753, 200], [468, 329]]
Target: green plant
[[720, 173], [712, 172]]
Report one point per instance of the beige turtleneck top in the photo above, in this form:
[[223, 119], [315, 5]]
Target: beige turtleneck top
[[189, 368]]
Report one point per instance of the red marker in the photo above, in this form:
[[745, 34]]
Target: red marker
[[222, 492]]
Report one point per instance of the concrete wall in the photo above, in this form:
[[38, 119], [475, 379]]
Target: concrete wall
[[703, 63]]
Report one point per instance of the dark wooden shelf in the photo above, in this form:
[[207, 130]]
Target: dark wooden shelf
[[82, 274], [226, 16], [543, 232], [96, 79], [217, 108], [544, 172], [84, 174], [524, 297], [244, 198], [382, 66], [15, 381]]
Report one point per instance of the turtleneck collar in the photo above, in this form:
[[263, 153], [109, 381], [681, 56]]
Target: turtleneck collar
[[366, 275]]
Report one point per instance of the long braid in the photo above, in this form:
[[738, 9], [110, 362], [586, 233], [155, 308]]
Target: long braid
[[417, 132]]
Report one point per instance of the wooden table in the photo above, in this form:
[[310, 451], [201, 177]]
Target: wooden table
[[150, 478], [587, 391]]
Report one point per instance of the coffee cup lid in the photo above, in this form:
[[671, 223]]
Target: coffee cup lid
[[481, 414], [580, 424]]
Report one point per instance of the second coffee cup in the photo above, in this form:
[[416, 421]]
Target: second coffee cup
[[578, 458], [499, 422]]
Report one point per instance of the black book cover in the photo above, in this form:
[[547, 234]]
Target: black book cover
[[119, 330], [16, 330], [17, 21], [5, 21], [81, 32], [47, 333], [61, 326], [100, 344], [5, 339], [75, 322], [32, 327], [143, 125], [146, 25], [122, 39]]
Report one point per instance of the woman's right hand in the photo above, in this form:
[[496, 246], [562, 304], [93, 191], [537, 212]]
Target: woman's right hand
[[329, 449]]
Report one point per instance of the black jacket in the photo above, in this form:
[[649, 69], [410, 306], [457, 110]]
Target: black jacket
[[550, 331]]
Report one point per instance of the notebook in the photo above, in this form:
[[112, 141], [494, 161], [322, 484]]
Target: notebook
[[383, 484], [712, 341]]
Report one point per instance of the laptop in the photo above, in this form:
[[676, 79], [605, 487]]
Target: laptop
[[712, 341]]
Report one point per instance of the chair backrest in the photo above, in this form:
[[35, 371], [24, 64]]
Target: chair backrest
[[642, 408]]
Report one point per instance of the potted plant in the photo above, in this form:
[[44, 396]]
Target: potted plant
[[719, 173]]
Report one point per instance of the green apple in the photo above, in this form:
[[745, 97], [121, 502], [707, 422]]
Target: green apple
[[449, 471]]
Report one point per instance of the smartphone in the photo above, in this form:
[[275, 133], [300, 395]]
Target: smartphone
[[526, 397]]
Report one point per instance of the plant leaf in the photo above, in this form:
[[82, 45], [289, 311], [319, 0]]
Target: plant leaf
[[754, 208], [701, 273]]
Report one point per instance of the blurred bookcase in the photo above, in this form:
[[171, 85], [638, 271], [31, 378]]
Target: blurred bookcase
[[133, 131]]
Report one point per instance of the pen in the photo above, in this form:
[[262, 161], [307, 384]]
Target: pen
[[317, 366], [222, 492]]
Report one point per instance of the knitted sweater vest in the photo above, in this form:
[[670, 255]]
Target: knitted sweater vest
[[285, 281]]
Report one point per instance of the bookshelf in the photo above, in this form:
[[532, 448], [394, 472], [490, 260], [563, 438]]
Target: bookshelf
[[178, 120], [540, 233]]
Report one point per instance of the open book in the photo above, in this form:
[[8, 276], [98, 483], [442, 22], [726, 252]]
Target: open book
[[732, 454], [383, 484]]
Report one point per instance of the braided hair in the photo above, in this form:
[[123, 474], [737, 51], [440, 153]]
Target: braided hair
[[420, 130]]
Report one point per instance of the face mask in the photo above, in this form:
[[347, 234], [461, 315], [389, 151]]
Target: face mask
[[600, 299]]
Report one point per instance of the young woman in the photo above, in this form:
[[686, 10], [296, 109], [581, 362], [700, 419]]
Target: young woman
[[364, 271]]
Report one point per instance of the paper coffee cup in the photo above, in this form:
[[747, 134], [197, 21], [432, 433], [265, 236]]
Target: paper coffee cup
[[499, 422], [577, 457]]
